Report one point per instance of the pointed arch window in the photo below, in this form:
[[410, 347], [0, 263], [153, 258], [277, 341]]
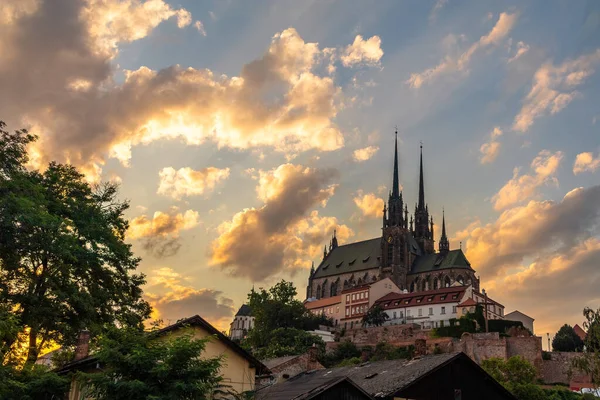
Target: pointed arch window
[[446, 282], [318, 291]]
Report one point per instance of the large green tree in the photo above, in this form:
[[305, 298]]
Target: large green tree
[[589, 361], [376, 316], [281, 322], [567, 340], [64, 264], [136, 365]]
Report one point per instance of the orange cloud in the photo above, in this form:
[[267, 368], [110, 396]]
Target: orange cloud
[[160, 234], [369, 204], [283, 234], [364, 154], [489, 151], [172, 298], [188, 182], [523, 187], [554, 88], [451, 64], [586, 162]]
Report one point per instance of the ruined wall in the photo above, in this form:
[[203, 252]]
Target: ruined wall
[[529, 348], [399, 335], [556, 370], [481, 346]]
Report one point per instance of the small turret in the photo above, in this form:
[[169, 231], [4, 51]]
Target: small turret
[[325, 252], [312, 269], [444, 244], [334, 242]]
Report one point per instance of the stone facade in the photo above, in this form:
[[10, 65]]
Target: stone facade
[[283, 368], [556, 369]]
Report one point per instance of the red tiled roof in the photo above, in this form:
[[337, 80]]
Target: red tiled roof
[[439, 296], [328, 301], [467, 303], [580, 332]]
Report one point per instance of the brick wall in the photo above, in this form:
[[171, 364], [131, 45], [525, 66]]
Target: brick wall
[[556, 370], [400, 335], [529, 348]]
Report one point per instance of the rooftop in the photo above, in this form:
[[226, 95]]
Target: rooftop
[[439, 296], [328, 301]]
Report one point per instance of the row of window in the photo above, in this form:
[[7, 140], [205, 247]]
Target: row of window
[[356, 310], [491, 307], [331, 310], [420, 312], [357, 296]]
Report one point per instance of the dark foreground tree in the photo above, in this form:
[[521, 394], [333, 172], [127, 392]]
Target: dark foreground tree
[[589, 361], [376, 316], [64, 264], [567, 340], [36, 383], [281, 322], [140, 366]]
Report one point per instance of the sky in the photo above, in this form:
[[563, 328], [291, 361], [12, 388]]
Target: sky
[[243, 133]]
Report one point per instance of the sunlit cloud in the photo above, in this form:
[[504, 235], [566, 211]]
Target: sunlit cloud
[[522, 49], [554, 88], [362, 51], [586, 162], [369, 204], [200, 27], [365, 153], [522, 187], [452, 64], [489, 151], [188, 182]]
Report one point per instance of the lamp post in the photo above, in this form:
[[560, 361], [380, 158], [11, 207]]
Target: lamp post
[[549, 348]]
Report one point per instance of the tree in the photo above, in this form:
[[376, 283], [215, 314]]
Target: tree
[[567, 340], [140, 366], [280, 323], [589, 361], [376, 316], [64, 265], [36, 383]]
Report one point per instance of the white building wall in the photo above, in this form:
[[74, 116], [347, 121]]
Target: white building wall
[[427, 315]]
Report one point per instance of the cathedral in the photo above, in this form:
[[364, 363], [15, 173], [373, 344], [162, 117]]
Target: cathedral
[[404, 252]]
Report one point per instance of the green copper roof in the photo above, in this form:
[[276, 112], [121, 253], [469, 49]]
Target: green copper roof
[[350, 258], [437, 261]]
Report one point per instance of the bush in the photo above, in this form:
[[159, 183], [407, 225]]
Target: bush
[[350, 361], [386, 351], [502, 326], [546, 355], [344, 351]]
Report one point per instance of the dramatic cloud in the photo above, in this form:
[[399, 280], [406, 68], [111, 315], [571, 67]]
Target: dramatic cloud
[[522, 48], [159, 235], [531, 230], [586, 162], [522, 187], [439, 4], [452, 64], [282, 235], [367, 52], [489, 151], [369, 204], [554, 88], [188, 182], [364, 154], [172, 298], [63, 87]]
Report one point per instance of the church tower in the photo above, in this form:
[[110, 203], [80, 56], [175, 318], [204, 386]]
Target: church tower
[[422, 231], [394, 251], [444, 243]]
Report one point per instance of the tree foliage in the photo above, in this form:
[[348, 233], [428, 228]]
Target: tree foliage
[[567, 340], [376, 316], [280, 323], [64, 264], [140, 366], [36, 383], [589, 361]]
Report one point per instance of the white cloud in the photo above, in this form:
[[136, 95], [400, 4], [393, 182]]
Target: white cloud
[[362, 51], [369, 204], [522, 48], [489, 151], [554, 88], [200, 27], [452, 64], [188, 182], [586, 162]]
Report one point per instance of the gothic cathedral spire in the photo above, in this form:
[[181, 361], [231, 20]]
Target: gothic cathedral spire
[[444, 244], [395, 202], [396, 183], [423, 232], [421, 185]]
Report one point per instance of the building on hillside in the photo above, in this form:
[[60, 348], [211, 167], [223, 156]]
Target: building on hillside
[[444, 376], [517, 315], [404, 252], [242, 323], [435, 308], [239, 370], [348, 308]]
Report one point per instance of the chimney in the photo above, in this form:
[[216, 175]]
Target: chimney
[[82, 349], [313, 353]]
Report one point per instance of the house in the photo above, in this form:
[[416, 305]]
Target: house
[[517, 315], [435, 308], [242, 323], [239, 369], [330, 307], [283, 368], [580, 332], [444, 376], [356, 301], [319, 389]]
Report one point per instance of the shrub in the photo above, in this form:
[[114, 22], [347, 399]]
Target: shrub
[[350, 361]]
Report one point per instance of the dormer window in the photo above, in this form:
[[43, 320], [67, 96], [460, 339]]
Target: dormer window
[[443, 297]]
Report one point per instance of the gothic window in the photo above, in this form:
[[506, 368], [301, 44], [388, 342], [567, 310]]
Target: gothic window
[[460, 279], [323, 289], [345, 284], [374, 278], [390, 254], [318, 291], [446, 282], [359, 281], [424, 286], [436, 284], [333, 291], [412, 287]]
